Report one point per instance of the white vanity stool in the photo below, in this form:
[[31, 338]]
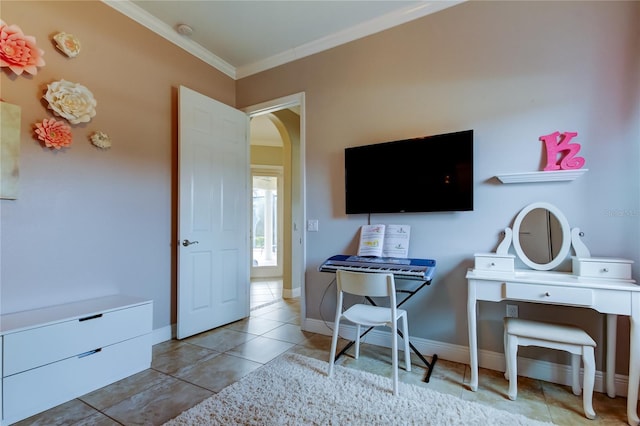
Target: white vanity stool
[[519, 332]]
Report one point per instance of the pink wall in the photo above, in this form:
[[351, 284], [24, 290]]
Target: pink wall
[[89, 222]]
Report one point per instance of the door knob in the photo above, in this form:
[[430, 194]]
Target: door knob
[[188, 243]]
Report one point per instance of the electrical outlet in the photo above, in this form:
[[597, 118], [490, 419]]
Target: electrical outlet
[[512, 311]]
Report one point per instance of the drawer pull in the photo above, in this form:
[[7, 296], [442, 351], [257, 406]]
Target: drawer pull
[[95, 351], [90, 317]]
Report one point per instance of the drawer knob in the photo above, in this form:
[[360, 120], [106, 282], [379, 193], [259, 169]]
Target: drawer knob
[[492, 264], [605, 270], [547, 294]]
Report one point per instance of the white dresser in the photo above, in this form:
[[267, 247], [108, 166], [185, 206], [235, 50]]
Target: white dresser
[[54, 354]]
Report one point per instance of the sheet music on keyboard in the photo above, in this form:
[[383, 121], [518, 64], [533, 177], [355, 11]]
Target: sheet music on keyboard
[[393, 260]]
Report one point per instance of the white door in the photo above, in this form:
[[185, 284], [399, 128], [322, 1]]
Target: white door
[[213, 216]]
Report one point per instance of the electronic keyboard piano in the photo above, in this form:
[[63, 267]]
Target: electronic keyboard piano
[[408, 269]]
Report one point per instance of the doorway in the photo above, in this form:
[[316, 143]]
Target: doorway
[[287, 115], [269, 202]]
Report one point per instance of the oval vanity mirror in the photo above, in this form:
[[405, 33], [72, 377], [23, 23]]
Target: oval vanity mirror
[[541, 236]]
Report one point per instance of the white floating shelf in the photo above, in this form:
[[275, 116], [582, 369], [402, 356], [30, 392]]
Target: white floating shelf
[[551, 176]]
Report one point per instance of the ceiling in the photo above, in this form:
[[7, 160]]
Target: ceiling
[[244, 37]]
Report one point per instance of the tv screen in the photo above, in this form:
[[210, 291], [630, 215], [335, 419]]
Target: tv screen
[[427, 174]]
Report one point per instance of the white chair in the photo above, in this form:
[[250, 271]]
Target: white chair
[[520, 332], [373, 285]]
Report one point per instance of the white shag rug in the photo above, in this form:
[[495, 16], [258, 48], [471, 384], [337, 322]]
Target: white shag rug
[[295, 390]]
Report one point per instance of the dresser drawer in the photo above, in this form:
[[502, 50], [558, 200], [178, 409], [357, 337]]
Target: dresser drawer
[[39, 389], [28, 349], [494, 262], [548, 294], [598, 267]]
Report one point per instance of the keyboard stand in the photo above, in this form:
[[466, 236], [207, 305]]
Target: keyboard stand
[[410, 294]]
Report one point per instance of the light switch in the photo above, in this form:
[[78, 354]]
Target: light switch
[[312, 225]]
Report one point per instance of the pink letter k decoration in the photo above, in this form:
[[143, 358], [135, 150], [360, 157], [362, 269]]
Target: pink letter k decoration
[[557, 143]]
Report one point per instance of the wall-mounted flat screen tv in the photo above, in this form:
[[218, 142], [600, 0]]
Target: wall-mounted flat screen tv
[[426, 174]]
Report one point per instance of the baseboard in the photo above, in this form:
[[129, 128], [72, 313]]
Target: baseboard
[[291, 293], [163, 334], [541, 370]]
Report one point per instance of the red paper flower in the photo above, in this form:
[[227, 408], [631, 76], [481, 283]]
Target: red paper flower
[[18, 51], [54, 134]]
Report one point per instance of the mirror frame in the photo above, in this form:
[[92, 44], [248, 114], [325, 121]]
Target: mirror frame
[[566, 237]]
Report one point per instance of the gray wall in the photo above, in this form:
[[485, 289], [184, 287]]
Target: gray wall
[[512, 71]]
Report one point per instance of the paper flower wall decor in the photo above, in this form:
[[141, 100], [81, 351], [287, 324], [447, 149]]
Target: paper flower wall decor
[[68, 44], [101, 140], [18, 51], [54, 134], [72, 101]]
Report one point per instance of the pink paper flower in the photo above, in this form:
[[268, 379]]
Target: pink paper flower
[[18, 51], [54, 134]]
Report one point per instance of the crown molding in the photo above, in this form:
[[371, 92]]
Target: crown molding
[[364, 29], [141, 16], [398, 17]]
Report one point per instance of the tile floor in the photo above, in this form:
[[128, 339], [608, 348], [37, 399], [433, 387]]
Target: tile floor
[[265, 291], [183, 373]]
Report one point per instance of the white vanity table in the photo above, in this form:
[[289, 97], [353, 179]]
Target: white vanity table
[[602, 284]]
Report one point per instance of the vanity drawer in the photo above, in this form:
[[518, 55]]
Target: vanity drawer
[[27, 349], [597, 267], [494, 262], [548, 294]]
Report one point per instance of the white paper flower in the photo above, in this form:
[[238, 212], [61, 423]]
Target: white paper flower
[[101, 140], [72, 101], [68, 44]]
